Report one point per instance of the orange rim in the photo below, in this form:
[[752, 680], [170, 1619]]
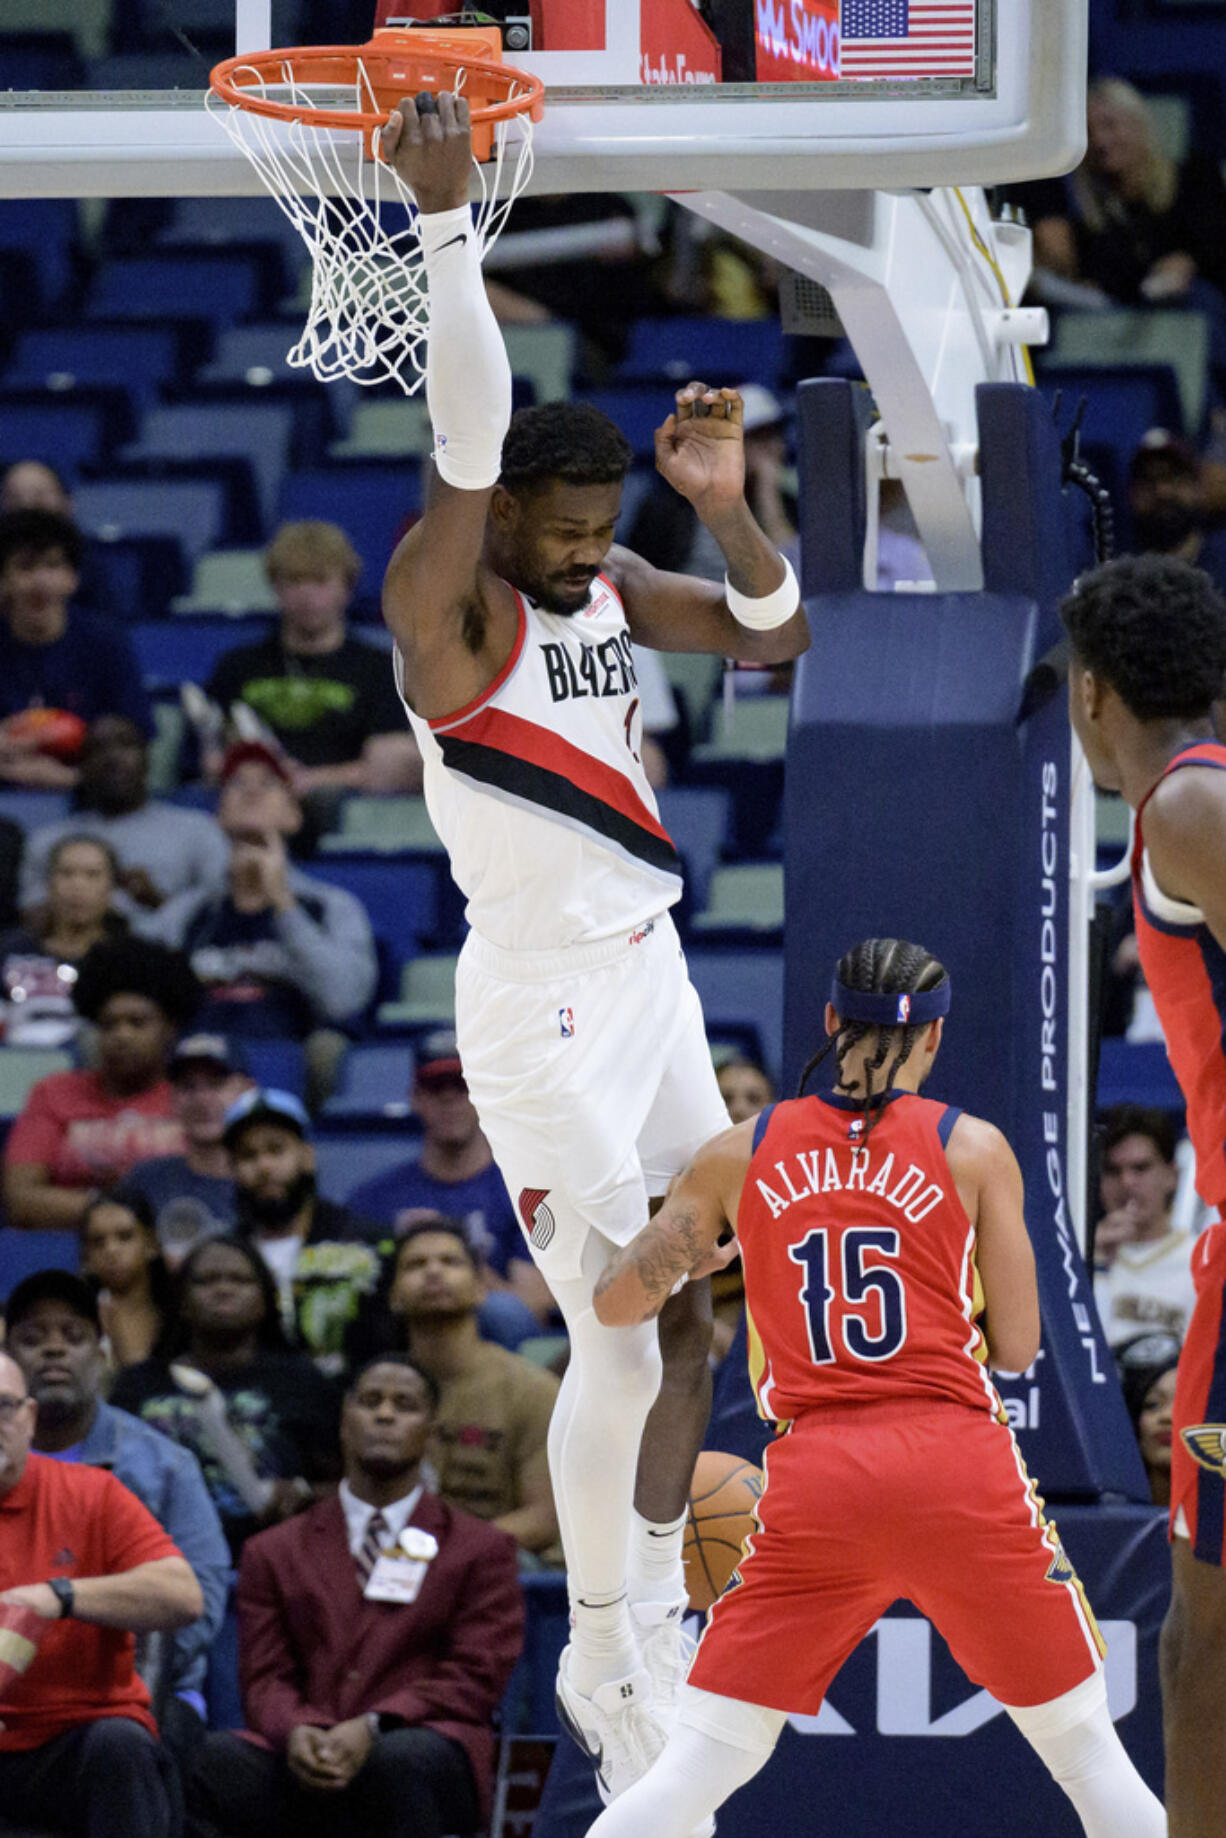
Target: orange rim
[[338, 64]]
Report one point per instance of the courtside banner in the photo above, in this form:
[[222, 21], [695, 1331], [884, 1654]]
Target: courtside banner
[[797, 41], [906, 1744]]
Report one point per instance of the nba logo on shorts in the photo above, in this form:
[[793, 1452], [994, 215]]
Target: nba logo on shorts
[[566, 1021], [904, 1007]]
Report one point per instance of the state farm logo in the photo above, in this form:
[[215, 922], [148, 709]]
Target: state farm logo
[[672, 69]]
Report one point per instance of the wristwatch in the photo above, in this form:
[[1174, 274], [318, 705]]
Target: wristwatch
[[62, 1588]]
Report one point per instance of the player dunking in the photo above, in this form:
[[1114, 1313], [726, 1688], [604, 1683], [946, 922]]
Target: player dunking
[[1148, 638], [886, 1265], [580, 1033]]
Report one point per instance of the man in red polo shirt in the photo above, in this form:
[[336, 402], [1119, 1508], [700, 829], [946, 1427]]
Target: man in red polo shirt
[[79, 1750]]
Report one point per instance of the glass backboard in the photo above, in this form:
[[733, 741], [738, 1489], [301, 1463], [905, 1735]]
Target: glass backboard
[[645, 95]]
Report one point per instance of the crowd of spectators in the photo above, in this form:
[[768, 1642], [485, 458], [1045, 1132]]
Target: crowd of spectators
[[348, 1403]]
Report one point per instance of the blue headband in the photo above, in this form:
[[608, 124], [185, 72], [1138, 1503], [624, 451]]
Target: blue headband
[[895, 1008]]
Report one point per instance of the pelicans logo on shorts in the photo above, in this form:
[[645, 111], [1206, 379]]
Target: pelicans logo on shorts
[[1206, 1444], [1060, 1570], [539, 1222]]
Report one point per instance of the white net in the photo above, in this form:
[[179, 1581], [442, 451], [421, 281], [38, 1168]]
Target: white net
[[368, 312]]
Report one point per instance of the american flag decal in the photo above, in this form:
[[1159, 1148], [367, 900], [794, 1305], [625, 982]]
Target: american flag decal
[[908, 38]]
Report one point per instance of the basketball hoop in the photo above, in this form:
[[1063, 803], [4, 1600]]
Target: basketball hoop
[[309, 121]]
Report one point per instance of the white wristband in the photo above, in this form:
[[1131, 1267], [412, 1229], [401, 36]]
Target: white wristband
[[764, 614]]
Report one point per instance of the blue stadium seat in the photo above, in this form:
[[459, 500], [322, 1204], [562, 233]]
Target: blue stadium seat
[[720, 351], [186, 648], [1136, 1072], [183, 284], [138, 576], [372, 504], [280, 1063], [46, 229], [258, 433], [72, 432], [219, 223], [32, 808], [194, 511], [742, 995], [22, 1253], [373, 1084], [637, 409], [140, 359], [242, 349], [696, 817], [345, 1158], [1123, 401], [401, 899]]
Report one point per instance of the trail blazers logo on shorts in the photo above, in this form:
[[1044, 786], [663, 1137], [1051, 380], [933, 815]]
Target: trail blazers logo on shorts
[[1206, 1444], [539, 1222]]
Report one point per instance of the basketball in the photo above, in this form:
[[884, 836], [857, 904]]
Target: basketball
[[720, 1516], [54, 731]]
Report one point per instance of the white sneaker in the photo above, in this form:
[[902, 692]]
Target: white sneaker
[[667, 1647], [616, 1727]]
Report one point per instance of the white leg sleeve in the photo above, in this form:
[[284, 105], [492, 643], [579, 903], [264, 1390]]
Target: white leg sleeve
[[1075, 1739], [718, 1745], [610, 1385], [468, 375]]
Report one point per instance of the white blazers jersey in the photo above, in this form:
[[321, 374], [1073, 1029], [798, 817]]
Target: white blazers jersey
[[538, 791]]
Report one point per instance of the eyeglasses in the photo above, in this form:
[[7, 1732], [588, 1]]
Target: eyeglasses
[[10, 1406]]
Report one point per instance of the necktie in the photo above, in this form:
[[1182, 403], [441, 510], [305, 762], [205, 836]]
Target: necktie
[[377, 1530]]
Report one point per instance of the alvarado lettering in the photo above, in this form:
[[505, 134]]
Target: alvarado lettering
[[818, 1171], [601, 670]]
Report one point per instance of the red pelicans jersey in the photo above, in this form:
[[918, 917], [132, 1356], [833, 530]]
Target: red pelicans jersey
[[1185, 968], [537, 789], [860, 1276]]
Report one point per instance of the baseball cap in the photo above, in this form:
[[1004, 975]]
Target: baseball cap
[[1163, 452], [438, 1057], [244, 751], [212, 1049], [761, 408], [52, 1286], [265, 1104]]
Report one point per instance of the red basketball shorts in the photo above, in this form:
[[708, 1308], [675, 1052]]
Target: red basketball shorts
[[865, 1506], [1198, 1425]]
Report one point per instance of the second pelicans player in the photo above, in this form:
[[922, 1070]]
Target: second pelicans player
[[580, 1033], [886, 1265]]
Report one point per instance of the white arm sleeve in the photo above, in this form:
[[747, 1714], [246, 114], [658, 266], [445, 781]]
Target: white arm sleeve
[[468, 375]]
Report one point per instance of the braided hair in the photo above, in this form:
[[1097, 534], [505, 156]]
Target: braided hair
[[879, 966]]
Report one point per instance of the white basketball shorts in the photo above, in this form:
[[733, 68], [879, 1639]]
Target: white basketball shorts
[[591, 1075]]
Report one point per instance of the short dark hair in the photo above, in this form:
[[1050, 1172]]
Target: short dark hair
[[73, 840], [1153, 628], [133, 1201], [270, 1331], [36, 532], [1122, 1120], [571, 441], [439, 1222], [393, 1358], [137, 967]]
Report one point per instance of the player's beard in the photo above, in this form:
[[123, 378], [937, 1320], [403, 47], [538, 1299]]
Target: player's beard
[[257, 1211]]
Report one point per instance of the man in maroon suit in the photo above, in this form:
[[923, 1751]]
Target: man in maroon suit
[[377, 1633]]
